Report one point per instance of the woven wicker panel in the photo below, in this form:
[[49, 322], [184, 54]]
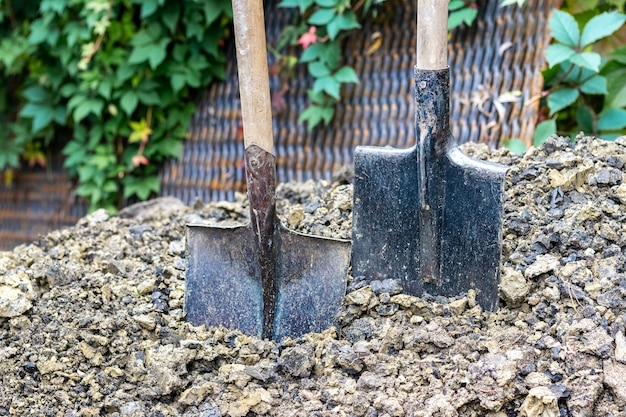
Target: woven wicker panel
[[38, 201], [502, 52]]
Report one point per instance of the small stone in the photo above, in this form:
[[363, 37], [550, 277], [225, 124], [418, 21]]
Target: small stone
[[620, 193], [195, 395], [360, 297], [295, 217], [608, 176], [88, 351], [96, 217], [146, 321], [458, 306], [297, 361], [542, 265], [146, 286], [614, 377], [540, 402], [177, 247], [403, 300], [369, 380], [513, 287], [13, 301]]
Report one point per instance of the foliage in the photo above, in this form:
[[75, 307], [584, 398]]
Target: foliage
[[461, 12], [584, 83], [585, 88], [118, 74]]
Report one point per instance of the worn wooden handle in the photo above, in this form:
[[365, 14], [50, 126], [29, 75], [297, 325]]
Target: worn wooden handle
[[254, 85], [432, 34]]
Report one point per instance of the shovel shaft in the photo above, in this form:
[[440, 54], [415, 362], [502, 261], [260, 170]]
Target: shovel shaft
[[254, 88], [432, 34]]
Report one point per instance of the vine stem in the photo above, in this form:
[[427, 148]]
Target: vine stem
[[98, 42]]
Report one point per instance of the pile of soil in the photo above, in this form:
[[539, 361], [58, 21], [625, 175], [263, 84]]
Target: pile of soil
[[91, 318]]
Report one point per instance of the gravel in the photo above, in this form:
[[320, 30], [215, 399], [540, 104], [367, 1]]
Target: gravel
[[92, 323]]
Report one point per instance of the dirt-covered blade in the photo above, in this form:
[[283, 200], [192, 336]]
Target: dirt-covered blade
[[224, 281], [429, 216]]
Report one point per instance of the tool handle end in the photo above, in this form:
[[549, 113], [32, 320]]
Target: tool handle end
[[432, 34]]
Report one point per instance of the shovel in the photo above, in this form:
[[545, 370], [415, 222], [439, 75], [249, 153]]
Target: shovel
[[429, 216], [262, 278]]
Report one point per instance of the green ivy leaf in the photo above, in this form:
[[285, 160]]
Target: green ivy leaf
[[328, 85], [594, 85], [342, 22], [129, 102], [303, 5], [314, 115], [170, 147], [455, 5], [590, 60], [601, 26], [312, 52], [316, 97], [543, 131], [322, 17], [557, 53], [213, 9], [516, 146], [35, 94], [585, 118], [39, 32], [170, 16], [560, 99], [616, 86], [141, 187], [149, 98], [346, 74], [328, 3], [177, 81], [318, 69], [57, 6], [458, 17], [564, 28], [89, 106], [41, 114], [612, 119], [148, 7]]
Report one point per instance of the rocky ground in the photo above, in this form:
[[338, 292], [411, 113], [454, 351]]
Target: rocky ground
[[91, 318]]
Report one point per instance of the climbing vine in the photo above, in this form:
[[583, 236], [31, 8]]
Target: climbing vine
[[116, 76]]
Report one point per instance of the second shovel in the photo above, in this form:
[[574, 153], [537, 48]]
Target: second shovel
[[429, 216]]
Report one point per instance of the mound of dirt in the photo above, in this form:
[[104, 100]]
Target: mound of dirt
[[91, 317]]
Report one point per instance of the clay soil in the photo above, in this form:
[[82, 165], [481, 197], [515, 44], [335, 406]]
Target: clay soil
[[92, 323]]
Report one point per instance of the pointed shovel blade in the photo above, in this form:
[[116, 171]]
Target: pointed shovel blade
[[223, 285]]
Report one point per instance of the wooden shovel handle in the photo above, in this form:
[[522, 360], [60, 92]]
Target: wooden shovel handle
[[254, 85], [432, 34]]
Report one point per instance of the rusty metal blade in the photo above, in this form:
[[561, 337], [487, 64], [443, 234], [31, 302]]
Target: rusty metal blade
[[311, 281], [223, 285]]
